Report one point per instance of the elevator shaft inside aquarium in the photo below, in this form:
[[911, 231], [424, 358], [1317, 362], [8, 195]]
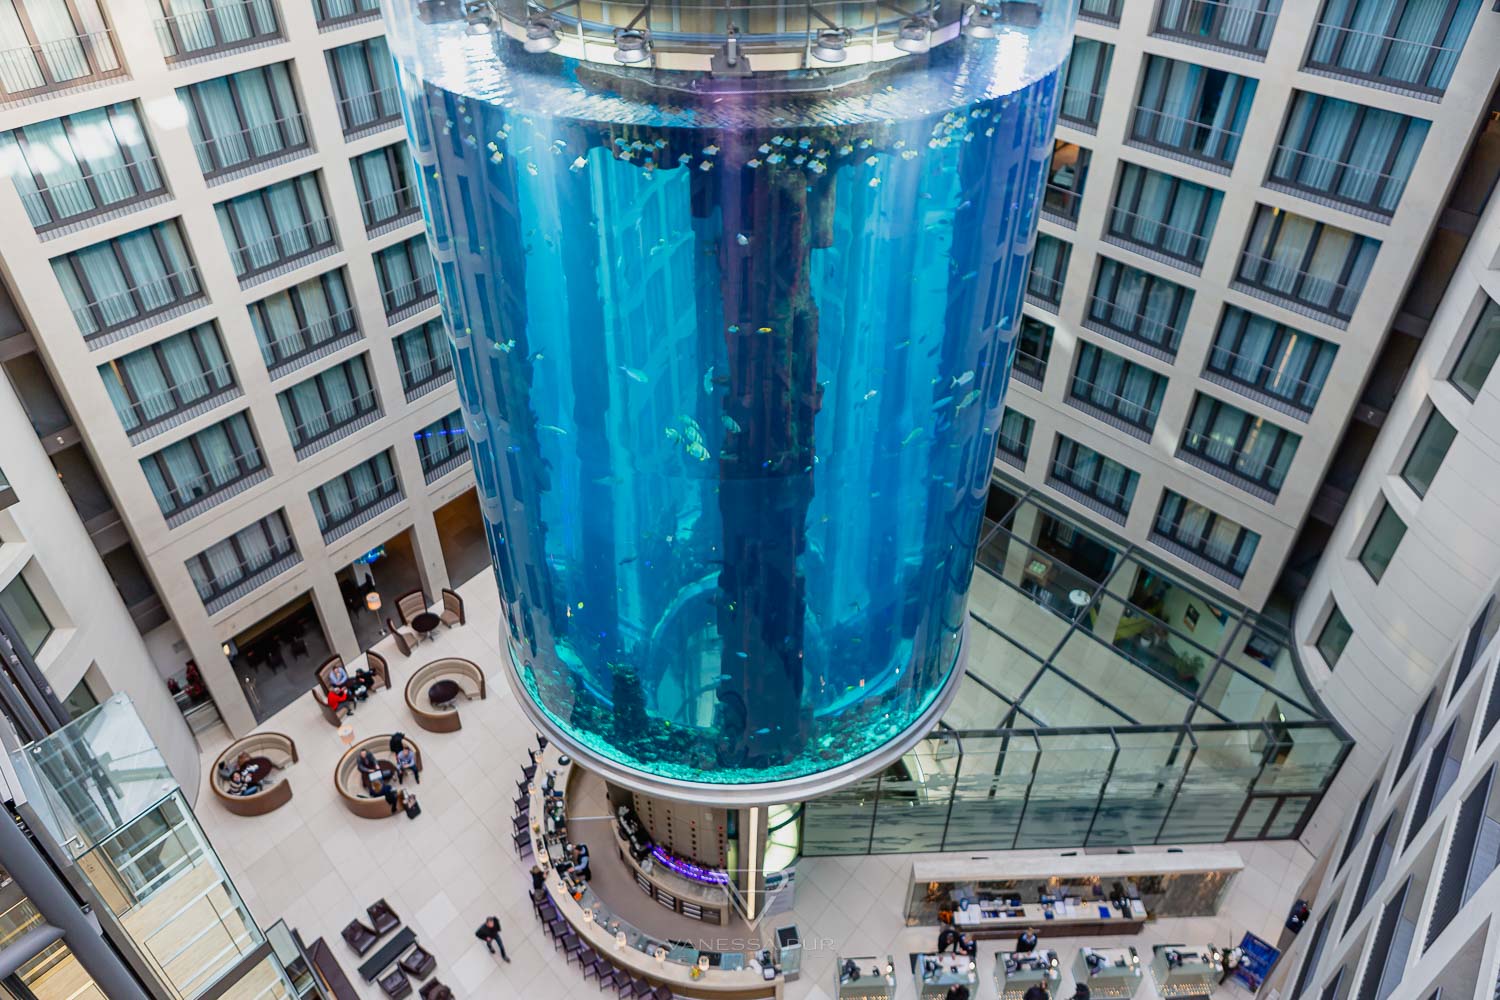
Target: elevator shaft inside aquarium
[[732, 356]]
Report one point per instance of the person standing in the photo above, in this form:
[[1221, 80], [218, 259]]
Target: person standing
[[489, 933], [1026, 943]]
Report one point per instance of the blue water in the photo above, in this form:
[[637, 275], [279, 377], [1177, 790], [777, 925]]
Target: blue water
[[733, 394]]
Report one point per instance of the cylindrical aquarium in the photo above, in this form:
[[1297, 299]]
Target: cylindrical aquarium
[[733, 290]]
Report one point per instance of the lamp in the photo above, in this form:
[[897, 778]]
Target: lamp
[[631, 46], [227, 649], [346, 734], [619, 939], [979, 22], [829, 46], [372, 599], [541, 34], [914, 35]]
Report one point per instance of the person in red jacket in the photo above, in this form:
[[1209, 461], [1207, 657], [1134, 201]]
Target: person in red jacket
[[339, 695]]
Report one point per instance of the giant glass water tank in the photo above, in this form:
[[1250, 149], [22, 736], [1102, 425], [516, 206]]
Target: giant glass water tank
[[733, 291]]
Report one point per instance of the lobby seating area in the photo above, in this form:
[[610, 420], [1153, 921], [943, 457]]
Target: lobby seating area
[[398, 963], [433, 690], [267, 755], [375, 664], [355, 791]]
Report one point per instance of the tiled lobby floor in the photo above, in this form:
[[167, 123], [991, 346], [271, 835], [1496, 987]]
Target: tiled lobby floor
[[317, 865]]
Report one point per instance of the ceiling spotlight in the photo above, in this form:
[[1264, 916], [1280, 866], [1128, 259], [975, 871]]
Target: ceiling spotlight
[[829, 46], [979, 22], [631, 46], [914, 35], [541, 34]]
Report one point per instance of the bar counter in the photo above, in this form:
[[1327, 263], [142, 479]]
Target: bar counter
[[620, 943]]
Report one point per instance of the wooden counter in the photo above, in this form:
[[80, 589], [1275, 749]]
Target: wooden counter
[[714, 984]]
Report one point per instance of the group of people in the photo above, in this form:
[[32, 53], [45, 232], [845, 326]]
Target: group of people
[[381, 779], [346, 689], [239, 775]]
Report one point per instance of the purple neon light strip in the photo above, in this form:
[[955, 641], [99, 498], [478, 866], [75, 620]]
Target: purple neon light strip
[[687, 869]]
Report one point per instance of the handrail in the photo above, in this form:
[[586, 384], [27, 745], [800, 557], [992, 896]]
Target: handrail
[[235, 149], [335, 418], [1282, 170], [58, 63], [219, 378], [1197, 241], [1225, 362], [357, 503], [361, 110], [1275, 273], [1231, 137], [176, 33], [165, 286], [1135, 330], [51, 201], [1113, 402], [313, 235], [1229, 458], [1398, 51], [338, 325], [420, 287], [184, 494]]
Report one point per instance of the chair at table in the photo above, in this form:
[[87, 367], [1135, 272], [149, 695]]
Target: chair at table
[[453, 609], [523, 804], [411, 604], [405, 637], [522, 842], [435, 991], [528, 772], [395, 984], [661, 993], [419, 962], [519, 823], [359, 937], [382, 917], [572, 947]]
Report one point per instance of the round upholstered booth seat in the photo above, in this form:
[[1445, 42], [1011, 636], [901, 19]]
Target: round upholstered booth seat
[[275, 790], [351, 788], [465, 679]]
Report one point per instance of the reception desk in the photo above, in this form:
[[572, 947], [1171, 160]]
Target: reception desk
[[937, 974], [1185, 972], [645, 956], [1069, 917], [1109, 973], [1015, 973], [865, 978]]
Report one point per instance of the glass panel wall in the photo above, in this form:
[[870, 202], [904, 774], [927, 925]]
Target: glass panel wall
[[128, 280], [81, 165], [54, 974], [152, 385], [243, 119], [1346, 152], [1192, 110], [274, 225]]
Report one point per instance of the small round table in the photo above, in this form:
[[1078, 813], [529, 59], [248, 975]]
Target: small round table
[[387, 773], [442, 692], [257, 769], [425, 622]]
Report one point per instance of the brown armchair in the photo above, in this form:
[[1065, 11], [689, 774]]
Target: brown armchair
[[405, 637], [379, 667], [382, 917], [395, 984], [419, 962], [453, 609], [435, 990], [334, 717], [411, 604], [359, 937]]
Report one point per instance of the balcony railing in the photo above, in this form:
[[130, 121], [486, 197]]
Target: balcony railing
[[1255, 476], [96, 194], [371, 112], [422, 378], [341, 420], [1029, 369], [107, 319], [1216, 24], [1336, 183], [1044, 291], [1100, 11], [437, 470], [1254, 379], [213, 486], [385, 212], [1295, 289], [359, 508], [1113, 504], [1080, 108], [223, 589], [276, 254], [290, 351], [223, 156], [180, 401], [333, 14], [1061, 205], [1133, 327], [1212, 559], [1156, 239], [1384, 61], [1204, 143], [1011, 451], [407, 300], [197, 34], [75, 61], [1129, 415]]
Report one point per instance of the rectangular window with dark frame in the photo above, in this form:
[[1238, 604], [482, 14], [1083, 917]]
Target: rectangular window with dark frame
[[1334, 636], [1099, 482], [1084, 82], [1427, 454], [1421, 725], [1168, 219], [125, 283], [1479, 635], [1191, 111], [272, 227], [1138, 308], [1311, 267], [1377, 863], [53, 45], [244, 120], [1014, 441], [334, 402], [1100, 11], [1390, 946], [83, 165], [1392, 43], [1357, 827], [332, 13], [1442, 771], [228, 570], [1066, 178], [408, 281], [1314, 951], [304, 322], [1339, 151], [179, 375], [1269, 362], [1203, 537], [1473, 855], [1477, 358], [192, 30], [32, 625], [1380, 546], [383, 178], [424, 357], [1244, 26], [443, 446], [1033, 348], [1049, 269], [1242, 449], [189, 476], [1119, 392], [364, 78], [348, 500]]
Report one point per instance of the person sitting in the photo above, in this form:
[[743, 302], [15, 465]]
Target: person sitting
[[959, 992], [538, 879], [240, 784], [359, 683], [580, 867], [338, 696], [406, 760], [380, 790], [226, 770], [369, 767], [967, 945]]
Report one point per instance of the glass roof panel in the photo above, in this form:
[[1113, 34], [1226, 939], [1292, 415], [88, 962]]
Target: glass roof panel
[[999, 662], [1058, 704], [1264, 652], [1135, 691], [1240, 697], [1152, 645], [1209, 623], [1014, 613], [976, 707]]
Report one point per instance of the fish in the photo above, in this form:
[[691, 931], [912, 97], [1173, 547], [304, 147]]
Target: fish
[[911, 436], [763, 730], [696, 450], [872, 394], [531, 169], [742, 239], [973, 395], [730, 425], [507, 346], [874, 182], [635, 374], [752, 163], [710, 150], [708, 380], [553, 428], [579, 164], [673, 435], [963, 379]]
